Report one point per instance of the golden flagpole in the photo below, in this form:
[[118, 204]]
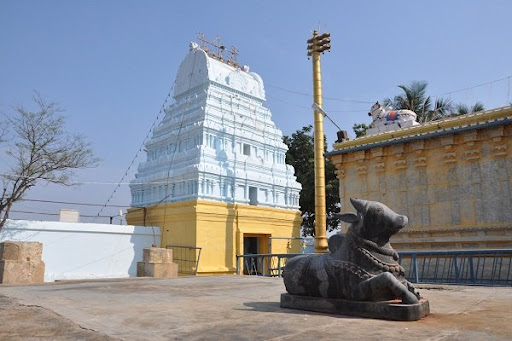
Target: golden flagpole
[[316, 46]]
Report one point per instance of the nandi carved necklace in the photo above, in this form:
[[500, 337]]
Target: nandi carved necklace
[[357, 243]]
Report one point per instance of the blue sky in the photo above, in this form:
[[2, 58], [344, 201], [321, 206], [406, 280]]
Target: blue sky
[[110, 64]]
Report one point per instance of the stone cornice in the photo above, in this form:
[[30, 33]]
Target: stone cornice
[[454, 229], [483, 119]]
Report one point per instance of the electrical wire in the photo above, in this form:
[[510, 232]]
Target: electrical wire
[[73, 203], [56, 214], [168, 195], [153, 126], [371, 102], [167, 181], [356, 101], [325, 97], [162, 109], [473, 87], [12, 175], [309, 108]]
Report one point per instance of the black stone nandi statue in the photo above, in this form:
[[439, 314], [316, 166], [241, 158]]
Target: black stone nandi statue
[[361, 264]]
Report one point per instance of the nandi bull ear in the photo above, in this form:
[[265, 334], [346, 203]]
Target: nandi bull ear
[[348, 217], [359, 204]]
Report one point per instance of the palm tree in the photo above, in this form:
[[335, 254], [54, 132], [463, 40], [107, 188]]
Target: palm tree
[[463, 109], [443, 107], [414, 98], [360, 129]]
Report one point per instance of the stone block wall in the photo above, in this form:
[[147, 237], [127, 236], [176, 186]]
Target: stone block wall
[[452, 178], [157, 262], [20, 263]]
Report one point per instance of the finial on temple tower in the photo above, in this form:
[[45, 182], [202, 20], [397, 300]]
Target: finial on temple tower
[[202, 41], [215, 49], [233, 53]]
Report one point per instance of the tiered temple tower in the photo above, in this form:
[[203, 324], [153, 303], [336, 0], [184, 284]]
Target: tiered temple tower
[[215, 175]]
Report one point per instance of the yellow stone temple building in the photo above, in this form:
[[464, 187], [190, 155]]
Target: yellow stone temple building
[[452, 178]]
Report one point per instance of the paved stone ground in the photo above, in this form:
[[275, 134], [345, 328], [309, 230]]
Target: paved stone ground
[[22, 322], [231, 308]]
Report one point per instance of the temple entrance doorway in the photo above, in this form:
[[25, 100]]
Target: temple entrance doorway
[[254, 244]]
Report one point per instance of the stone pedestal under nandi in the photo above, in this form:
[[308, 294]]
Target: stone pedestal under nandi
[[20, 263]]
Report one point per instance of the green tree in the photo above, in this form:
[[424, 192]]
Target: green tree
[[463, 109], [40, 150], [414, 97], [301, 156], [360, 129]]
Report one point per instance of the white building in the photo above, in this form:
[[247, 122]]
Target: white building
[[216, 142]]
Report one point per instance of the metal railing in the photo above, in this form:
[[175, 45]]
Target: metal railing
[[187, 258], [467, 267], [269, 264], [463, 267]]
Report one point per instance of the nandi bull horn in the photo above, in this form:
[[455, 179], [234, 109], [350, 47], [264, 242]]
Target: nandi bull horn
[[359, 204]]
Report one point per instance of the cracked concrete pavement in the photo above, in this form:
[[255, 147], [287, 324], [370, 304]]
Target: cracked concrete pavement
[[22, 322], [231, 308]]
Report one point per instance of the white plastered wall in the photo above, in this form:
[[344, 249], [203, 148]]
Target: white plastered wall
[[85, 251]]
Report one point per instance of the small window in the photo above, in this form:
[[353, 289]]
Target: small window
[[247, 149], [253, 196], [171, 148]]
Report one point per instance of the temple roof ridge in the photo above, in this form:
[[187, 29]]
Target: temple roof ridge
[[199, 68]]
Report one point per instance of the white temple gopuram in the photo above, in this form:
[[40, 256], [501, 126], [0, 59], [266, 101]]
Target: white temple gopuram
[[217, 149]]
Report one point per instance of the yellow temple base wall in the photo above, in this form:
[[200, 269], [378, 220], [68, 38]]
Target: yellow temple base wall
[[455, 186], [219, 229]]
